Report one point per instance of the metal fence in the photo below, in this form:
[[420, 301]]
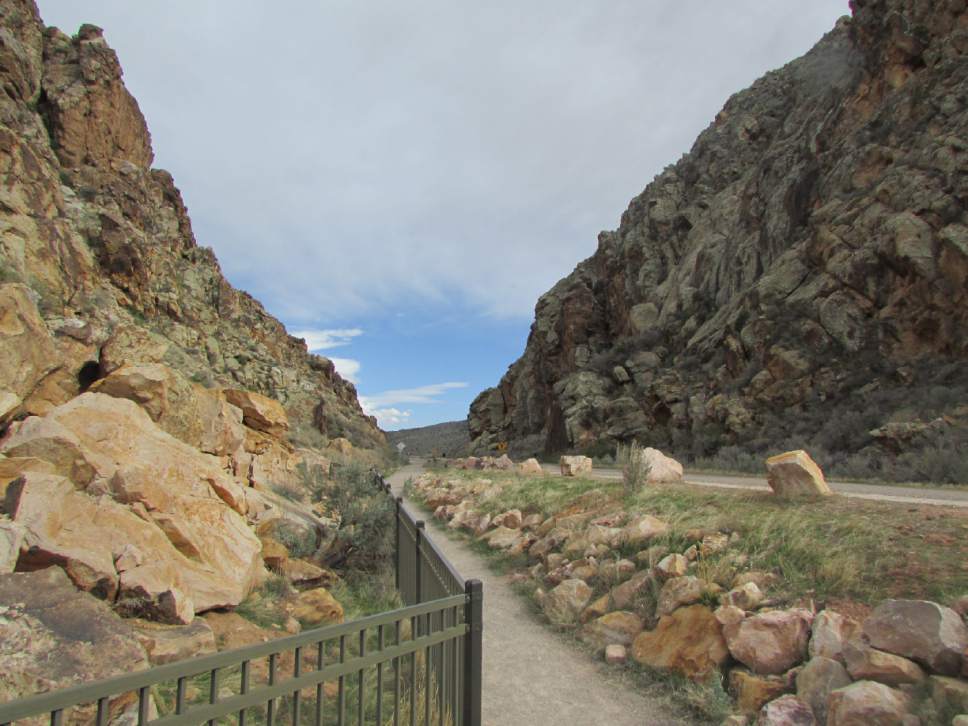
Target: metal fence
[[420, 664]]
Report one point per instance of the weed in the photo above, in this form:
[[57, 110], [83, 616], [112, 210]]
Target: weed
[[635, 467]]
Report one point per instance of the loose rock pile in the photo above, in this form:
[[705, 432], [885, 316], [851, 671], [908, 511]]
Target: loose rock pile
[[783, 665]]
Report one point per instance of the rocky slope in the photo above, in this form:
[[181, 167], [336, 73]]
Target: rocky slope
[[160, 433], [105, 244], [800, 274], [443, 439]]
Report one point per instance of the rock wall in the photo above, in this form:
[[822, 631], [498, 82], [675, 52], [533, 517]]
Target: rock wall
[[105, 243], [809, 255]]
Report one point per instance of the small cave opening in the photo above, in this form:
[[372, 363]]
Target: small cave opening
[[88, 373]]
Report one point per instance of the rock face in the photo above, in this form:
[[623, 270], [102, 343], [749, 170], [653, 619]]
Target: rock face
[[41, 613], [809, 251], [795, 474], [102, 244]]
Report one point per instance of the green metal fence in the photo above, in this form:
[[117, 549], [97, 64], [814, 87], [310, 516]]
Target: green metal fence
[[420, 664]]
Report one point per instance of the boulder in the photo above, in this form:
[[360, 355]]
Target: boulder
[[689, 641], [960, 606], [795, 474], [864, 703], [53, 636], [949, 694], [260, 412], [46, 439], [575, 465], [619, 627], [786, 711], [172, 643], [931, 634], [510, 519], [831, 631], [154, 590], [502, 538], [345, 446], [595, 609], [662, 468], [11, 537], [817, 680], [530, 467], [770, 642], [564, 604], [503, 463], [642, 529], [302, 574], [869, 664], [624, 595], [317, 607], [745, 597], [674, 565], [679, 591], [752, 692]]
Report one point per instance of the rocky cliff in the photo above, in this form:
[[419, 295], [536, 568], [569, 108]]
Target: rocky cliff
[[800, 275], [105, 244]]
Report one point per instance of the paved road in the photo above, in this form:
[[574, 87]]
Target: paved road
[[888, 493], [532, 676]]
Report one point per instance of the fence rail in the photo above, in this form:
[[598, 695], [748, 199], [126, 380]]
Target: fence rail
[[420, 664]]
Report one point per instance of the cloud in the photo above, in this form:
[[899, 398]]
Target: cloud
[[419, 395], [348, 368], [325, 339], [388, 418]]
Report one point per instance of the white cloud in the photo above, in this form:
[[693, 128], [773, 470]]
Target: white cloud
[[348, 368], [325, 339], [388, 418], [419, 395]]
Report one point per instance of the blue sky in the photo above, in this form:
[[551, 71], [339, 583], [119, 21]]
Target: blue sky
[[414, 175]]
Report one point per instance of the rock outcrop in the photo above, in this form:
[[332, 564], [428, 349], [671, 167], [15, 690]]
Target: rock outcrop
[[802, 271]]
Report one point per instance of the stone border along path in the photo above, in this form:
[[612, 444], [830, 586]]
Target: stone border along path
[[532, 676]]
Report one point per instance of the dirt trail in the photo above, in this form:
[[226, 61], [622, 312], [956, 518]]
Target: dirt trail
[[533, 677]]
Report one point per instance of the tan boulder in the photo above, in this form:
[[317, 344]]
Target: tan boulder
[[674, 565], [595, 609], [27, 350], [795, 474], [510, 519], [931, 634], [679, 591], [624, 596], [662, 468], [11, 537], [690, 641], [302, 574], [745, 597], [752, 691], [46, 439], [831, 632], [12, 467], [642, 529], [9, 403], [786, 711], [154, 590], [864, 703], [259, 412], [317, 607], [274, 553], [502, 538], [173, 643], [530, 467], [575, 465], [564, 604], [53, 636], [819, 678], [619, 627], [615, 654], [503, 463], [597, 534], [345, 447], [770, 642], [869, 664], [949, 694]]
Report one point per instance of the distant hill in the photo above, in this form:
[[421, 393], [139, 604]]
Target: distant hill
[[449, 439]]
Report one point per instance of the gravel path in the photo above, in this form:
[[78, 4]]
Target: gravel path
[[532, 676]]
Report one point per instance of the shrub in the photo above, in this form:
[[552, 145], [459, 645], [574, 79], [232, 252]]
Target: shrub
[[366, 519], [635, 467]]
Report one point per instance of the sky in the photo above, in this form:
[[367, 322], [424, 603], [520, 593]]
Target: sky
[[399, 182]]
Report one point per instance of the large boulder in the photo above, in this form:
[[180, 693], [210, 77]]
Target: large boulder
[[786, 711], [53, 636], [770, 642], [689, 641], [172, 643], [795, 474], [817, 680], [259, 412], [752, 692], [931, 634], [869, 664], [317, 607], [564, 604], [662, 468], [575, 465], [679, 591], [642, 529], [831, 632], [530, 467], [27, 350], [864, 703]]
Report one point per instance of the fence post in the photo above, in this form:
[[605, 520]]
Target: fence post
[[473, 652], [418, 550], [399, 544]]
